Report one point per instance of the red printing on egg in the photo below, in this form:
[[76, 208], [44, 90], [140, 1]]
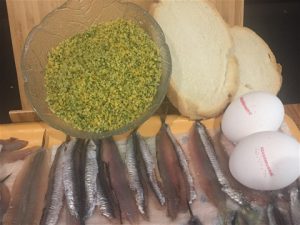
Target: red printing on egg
[[263, 154], [242, 100]]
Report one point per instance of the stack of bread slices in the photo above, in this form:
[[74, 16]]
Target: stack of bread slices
[[212, 63]]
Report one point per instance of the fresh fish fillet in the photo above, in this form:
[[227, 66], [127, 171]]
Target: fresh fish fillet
[[281, 205], [204, 173], [29, 189], [208, 147], [119, 182], [68, 174], [134, 177], [91, 172], [295, 205], [55, 192], [150, 164], [184, 166], [4, 197], [238, 219], [12, 144], [261, 198], [173, 179], [105, 197], [73, 178], [274, 216], [271, 216], [12, 156]]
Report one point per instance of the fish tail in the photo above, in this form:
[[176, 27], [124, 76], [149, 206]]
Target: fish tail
[[106, 199], [4, 179]]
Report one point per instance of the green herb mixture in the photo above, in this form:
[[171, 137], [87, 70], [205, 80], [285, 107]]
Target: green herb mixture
[[103, 78]]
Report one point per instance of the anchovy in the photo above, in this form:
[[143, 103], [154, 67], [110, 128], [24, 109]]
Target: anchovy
[[12, 156], [174, 182], [295, 205], [29, 189], [119, 182], [73, 176], [270, 214], [247, 216], [134, 176], [282, 208], [209, 149], [103, 202], [68, 174], [55, 193], [151, 169], [184, 165], [91, 172], [204, 173], [238, 219], [12, 144], [4, 197], [253, 197], [105, 197]]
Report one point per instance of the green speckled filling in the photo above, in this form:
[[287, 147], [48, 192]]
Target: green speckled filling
[[104, 78]]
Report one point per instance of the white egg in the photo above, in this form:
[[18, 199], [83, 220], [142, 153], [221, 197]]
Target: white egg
[[267, 160], [251, 113]]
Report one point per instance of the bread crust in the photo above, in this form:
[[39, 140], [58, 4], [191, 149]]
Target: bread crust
[[277, 79]]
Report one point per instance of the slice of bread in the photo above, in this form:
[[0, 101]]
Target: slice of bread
[[204, 72], [258, 69]]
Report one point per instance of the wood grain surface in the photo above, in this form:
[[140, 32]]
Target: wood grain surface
[[17, 116], [293, 110], [25, 14]]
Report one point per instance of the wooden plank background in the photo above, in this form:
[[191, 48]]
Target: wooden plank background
[[25, 14]]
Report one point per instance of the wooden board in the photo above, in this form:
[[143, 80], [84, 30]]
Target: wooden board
[[25, 14]]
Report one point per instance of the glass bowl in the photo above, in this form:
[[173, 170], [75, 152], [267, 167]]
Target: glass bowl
[[73, 17]]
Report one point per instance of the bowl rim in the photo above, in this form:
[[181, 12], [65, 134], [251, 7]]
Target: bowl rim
[[98, 135]]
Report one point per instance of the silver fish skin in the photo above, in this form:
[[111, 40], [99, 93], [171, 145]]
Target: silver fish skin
[[90, 178], [116, 169], [150, 169], [270, 214], [12, 144], [151, 144], [184, 165], [248, 216], [104, 198], [135, 183], [295, 205], [68, 176], [29, 190], [55, 192], [282, 208], [209, 148], [103, 202]]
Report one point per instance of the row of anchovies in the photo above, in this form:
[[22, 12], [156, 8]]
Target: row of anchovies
[[114, 177], [83, 187], [275, 208]]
